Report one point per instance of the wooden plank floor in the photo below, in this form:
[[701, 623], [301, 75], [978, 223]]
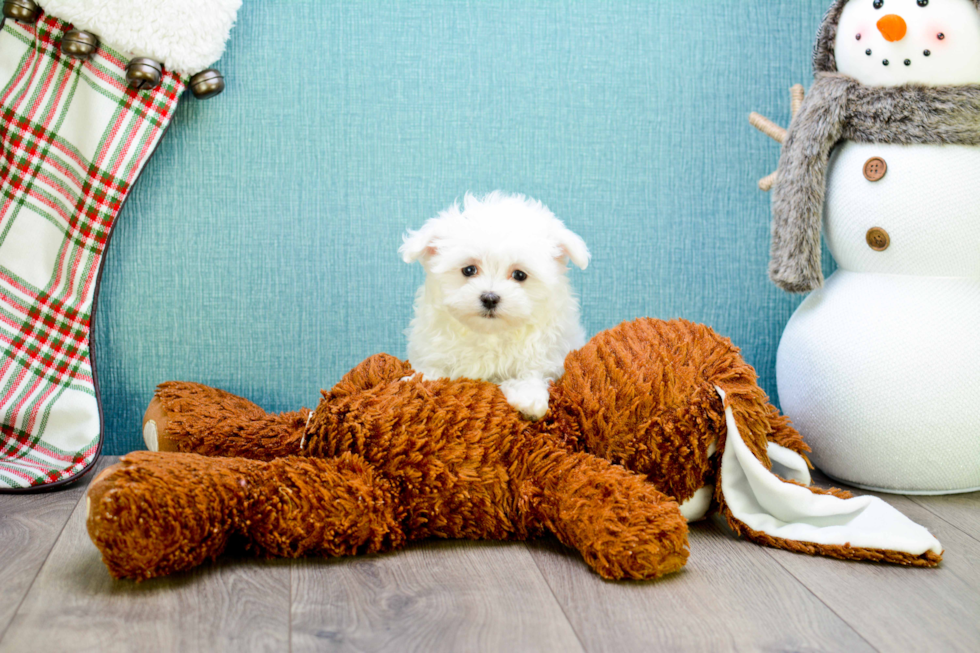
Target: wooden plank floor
[[463, 596]]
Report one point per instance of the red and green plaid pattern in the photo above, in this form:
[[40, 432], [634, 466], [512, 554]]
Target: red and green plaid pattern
[[73, 139]]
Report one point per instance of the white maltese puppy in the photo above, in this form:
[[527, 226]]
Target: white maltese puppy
[[496, 303]]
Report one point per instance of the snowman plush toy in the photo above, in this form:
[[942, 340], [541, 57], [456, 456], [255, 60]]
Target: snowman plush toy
[[879, 368]]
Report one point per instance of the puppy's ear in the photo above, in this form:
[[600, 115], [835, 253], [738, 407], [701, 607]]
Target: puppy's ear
[[420, 244], [573, 248]]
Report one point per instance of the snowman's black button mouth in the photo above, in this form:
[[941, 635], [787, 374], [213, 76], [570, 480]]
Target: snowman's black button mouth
[[885, 62]]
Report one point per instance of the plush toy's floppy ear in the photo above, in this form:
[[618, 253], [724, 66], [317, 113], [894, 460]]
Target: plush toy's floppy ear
[[761, 504], [572, 246], [420, 244]]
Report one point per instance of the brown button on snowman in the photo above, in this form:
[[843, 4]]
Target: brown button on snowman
[[879, 368]]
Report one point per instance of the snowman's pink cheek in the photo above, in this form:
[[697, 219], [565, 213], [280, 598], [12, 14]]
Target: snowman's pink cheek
[[935, 36]]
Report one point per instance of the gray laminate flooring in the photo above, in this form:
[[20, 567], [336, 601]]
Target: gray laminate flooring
[[486, 596]]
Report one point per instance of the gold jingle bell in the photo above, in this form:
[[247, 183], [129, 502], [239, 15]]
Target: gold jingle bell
[[143, 73], [78, 44], [26, 11], [207, 83]]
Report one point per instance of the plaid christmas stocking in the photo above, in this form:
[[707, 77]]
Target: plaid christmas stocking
[[74, 136]]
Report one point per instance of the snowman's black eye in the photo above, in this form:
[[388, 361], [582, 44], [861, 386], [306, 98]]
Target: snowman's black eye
[[923, 3], [878, 4]]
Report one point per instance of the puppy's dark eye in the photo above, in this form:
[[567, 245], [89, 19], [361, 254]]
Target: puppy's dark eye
[[519, 275], [878, 4], [470, 271]]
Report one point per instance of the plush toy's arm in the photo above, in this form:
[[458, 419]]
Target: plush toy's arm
[[617, 520], [194, 418], [158, 513]]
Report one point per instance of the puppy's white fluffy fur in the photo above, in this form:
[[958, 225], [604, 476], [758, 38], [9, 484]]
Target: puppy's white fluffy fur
[[475, 252]]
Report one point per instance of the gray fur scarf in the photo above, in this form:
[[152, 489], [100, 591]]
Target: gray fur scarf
[[839, 108]]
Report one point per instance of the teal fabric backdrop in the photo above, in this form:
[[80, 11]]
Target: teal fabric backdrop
[[258, 251]]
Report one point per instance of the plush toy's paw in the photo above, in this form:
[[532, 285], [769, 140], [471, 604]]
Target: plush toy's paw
[[617, 520], [529, 396], [155, 434], [153, 514]]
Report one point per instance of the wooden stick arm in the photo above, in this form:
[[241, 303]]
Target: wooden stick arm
[[774, 131], [767, 127], [766, 183], [796, 97]]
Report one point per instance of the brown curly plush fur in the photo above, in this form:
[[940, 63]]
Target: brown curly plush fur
[[383, 461]]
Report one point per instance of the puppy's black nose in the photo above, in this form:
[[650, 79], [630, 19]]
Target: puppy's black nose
[[490, 300]]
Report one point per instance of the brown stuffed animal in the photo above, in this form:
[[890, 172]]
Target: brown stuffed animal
[[636, 426]]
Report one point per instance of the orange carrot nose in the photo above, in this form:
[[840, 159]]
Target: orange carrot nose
[[893, 27]]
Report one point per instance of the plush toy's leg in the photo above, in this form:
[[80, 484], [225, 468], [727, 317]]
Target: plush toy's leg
[[158, 513], [324, 506], [194, 418], [154, 514], [621, 525], [783, 514]]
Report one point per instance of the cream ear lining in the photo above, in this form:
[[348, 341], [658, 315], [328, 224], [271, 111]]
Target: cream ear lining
[[765, 503]]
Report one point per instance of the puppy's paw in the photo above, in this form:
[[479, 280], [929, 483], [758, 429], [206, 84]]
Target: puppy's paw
[[529, 396]]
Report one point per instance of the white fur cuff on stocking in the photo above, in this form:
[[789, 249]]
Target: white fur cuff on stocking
[[186, 36]]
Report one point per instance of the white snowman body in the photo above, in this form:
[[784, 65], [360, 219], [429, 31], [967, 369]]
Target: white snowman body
[[880, 368]]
